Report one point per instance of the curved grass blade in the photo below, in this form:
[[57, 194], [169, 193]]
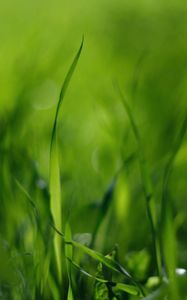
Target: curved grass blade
[[54, 186], [147, 185]]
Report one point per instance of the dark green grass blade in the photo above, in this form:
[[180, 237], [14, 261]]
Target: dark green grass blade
[[103, 209], [109, 263], [147, 184], [130, 289], [54, 186], [46, 259], [107, 199], [160, 294]]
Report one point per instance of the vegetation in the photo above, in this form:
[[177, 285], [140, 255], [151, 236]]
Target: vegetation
[[93, 150]]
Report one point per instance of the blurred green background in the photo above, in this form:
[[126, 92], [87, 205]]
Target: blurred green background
[[142, 45]]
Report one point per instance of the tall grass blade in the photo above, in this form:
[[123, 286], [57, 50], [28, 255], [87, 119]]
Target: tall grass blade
[[147, 184], [167, 229], [107, 199], [69, 256], [104, 207], [54, 186]]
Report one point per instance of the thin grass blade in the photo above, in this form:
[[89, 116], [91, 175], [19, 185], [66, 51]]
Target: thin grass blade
[[69, 256], [55, 185], [108, 262], [147, 185], [130, 289], [167, 229]]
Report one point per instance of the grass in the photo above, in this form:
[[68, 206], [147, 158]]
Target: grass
[[93, 178], [55, 185]]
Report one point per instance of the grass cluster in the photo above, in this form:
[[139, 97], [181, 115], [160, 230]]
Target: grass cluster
[[93, 168]]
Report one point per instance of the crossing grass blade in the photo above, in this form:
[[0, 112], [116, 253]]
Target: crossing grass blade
[[147, 185], [108, 262], [55, 185], [130, 289]]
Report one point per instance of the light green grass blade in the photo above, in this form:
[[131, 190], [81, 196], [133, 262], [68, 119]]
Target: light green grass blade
[[69, 256], [54, 185], [127, 288], [170, 254], [147, 185]]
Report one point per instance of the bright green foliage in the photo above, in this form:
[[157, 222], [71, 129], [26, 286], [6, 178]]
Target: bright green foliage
[[97, 159]]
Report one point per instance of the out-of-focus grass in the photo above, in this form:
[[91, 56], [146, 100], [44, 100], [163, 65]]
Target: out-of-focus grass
[[143, 46]]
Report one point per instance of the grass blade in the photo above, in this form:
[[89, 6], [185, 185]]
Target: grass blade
[[104, 207], [54, 186], [107, 199], [167, 230], [69, 256], [24, 191], [130, 289], [127, 288], [108, 262], [147, 185]]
